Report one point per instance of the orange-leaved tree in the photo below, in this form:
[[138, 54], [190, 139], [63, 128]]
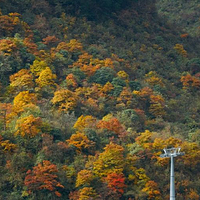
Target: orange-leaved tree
[[50, 40], [157, 105], [113, 125], [144, 93], [190, 81], [116, 181], [43, 177], [80, 141], [106, 89], [31, 45], [84, 59], [9, 22], [193, 195], [7, 46], [89, 69], [71, 81], [125, 99], [151, 188]]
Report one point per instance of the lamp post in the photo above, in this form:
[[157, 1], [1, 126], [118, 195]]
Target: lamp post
[[171, 153]]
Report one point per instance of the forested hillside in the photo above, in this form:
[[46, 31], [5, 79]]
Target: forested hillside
[[91, 92]]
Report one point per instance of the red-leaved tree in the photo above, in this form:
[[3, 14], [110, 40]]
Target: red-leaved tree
[[43, 177]]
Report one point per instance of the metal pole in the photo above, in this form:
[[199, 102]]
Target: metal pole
[[171, 153], [172, 184]]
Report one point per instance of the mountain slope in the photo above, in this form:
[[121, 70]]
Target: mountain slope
[[89, 102]]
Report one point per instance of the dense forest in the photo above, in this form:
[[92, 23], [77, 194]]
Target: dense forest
[[91, 92]]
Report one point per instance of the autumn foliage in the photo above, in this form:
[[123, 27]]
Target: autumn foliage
[[190, 81], [111, 160], [43, 177], [28, 126], [64, 99], [80, 141], [22, 80], [91, 92], [116, 181], [113, 125], [6, 145]]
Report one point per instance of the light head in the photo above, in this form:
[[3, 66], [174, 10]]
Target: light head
[[172, 152]]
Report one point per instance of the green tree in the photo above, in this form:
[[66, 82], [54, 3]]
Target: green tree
[[103, 75]]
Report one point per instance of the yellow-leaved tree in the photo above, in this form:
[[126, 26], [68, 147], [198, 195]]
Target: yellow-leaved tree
[[22, 80], [46, 78], [65, 99], [28, 126], [84, 178], [87, 193], [37, 66], [73, 46], [6, 145], [122, 74], [83, 122], [109, 161], [24, 100], [153, 79]]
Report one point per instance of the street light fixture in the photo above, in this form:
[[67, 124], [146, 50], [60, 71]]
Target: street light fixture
[[171, 153]]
